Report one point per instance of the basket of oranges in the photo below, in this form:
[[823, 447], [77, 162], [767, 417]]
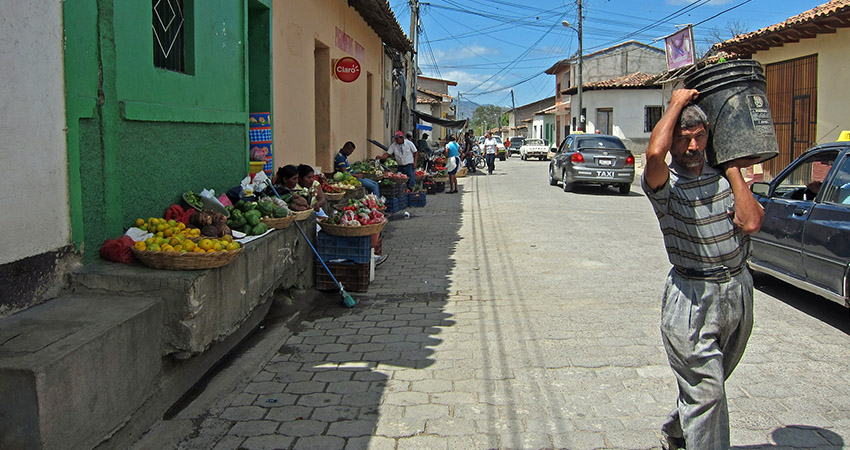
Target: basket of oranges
[[180, 252]]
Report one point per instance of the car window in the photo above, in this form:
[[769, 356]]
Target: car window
[[840, 190], [533, 142], [567, 144], [803, 182], [600, 142], [498, 139]]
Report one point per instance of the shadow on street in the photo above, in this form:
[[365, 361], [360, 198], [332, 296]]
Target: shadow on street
[[816, 306]]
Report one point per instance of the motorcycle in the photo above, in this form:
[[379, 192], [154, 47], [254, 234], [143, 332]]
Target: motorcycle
[[477, 158]]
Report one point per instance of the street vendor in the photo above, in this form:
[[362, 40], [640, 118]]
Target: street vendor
[[405, 154], [286, 179], [310, 188], [341, 165], [705, 215]]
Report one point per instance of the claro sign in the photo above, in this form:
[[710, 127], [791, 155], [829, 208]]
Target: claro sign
[[346, 69]]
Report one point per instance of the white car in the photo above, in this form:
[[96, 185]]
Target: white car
[[500, 147], [532, 148]]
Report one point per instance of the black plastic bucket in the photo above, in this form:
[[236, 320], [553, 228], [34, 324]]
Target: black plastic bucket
[[732, 94]]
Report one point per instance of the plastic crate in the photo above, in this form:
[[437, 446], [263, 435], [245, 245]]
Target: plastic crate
[[356, 249], [396, 204], [391, 190], [354, 277], [440, 186], [416, 199]]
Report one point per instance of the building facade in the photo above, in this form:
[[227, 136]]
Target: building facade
[[607, 64]]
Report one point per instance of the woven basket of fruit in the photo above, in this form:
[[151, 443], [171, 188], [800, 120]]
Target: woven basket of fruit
[[359, 192], [348, 230], [334, 196], [302, 215], [185, 261], [279, 223]]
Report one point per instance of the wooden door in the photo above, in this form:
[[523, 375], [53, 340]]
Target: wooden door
[[792, 94]]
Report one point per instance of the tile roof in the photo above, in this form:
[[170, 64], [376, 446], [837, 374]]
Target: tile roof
[[426, 100], [436, 94], [820, 19], [637, 80], [380, 17]]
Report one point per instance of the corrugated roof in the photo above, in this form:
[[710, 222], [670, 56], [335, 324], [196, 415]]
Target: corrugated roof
[[637, 80], [820, 19], [380, 17]]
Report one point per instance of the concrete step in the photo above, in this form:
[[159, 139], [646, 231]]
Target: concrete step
[[75, 368], [205, 306]]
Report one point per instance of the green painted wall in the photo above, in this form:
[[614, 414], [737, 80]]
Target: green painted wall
[[138, 135], [197, 155]]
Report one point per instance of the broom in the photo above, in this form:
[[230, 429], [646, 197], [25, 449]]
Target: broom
[[347, 299]]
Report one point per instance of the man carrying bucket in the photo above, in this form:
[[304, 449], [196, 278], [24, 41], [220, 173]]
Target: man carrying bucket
[[706, 215]]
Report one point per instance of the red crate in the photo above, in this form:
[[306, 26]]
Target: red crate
[[377, 243], [354, 277]]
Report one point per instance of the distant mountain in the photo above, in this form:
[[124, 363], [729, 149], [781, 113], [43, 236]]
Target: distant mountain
[[467, 107]]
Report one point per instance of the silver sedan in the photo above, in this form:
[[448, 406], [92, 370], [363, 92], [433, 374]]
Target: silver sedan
[[593, 159]]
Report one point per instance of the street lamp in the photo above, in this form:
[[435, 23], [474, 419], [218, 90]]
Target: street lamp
[[578, 93]]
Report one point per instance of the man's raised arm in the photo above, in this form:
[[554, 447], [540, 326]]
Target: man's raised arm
[[661, 140]]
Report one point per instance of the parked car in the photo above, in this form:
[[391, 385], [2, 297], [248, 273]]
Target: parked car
[[804, 239], [501, 153], [516, 143], [534, 148], [593, 159]]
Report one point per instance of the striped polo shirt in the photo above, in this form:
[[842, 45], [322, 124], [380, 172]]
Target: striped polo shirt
[[695, 214]]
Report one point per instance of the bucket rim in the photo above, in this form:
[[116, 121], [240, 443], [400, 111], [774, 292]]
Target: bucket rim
[[725, 67]]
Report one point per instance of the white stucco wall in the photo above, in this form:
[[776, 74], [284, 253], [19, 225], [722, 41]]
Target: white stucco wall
[[628, 106], [33, 154], [833, 77]]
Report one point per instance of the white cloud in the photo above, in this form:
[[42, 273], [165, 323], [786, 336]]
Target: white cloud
[[463, 53]]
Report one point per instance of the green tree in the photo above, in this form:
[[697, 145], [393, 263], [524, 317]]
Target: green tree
[[487, 116]]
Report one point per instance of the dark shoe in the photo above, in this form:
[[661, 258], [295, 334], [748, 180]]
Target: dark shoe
[[380, 259]]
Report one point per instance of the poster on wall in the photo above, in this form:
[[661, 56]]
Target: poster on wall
[[679, 47], [260, 138]]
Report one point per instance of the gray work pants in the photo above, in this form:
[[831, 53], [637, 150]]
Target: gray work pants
[[705, 326]]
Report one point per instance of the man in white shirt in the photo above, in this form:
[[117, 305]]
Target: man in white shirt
[[405, 155], [490, 152]]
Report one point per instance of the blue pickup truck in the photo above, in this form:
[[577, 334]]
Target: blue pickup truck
[[805, 237]]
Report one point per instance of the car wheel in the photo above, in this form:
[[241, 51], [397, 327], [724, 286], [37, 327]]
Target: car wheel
[[568, 187], [552, 180], [625, 188], [502, 157]]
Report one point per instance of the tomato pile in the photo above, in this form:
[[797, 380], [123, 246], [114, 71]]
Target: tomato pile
[[366, 211]]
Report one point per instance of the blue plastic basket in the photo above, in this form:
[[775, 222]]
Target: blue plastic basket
[[416, 199], [396, 204], [356, 249]]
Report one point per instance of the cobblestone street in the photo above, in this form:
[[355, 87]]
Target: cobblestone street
[[517, 316]]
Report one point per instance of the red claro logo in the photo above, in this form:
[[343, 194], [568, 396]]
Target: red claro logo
[[347, 69]]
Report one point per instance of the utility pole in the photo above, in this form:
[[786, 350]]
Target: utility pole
[[513, 113], [414, 35], [578, 97]]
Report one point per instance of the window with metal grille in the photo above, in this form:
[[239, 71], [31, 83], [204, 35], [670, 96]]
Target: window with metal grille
[[651, 116], [169, 35]]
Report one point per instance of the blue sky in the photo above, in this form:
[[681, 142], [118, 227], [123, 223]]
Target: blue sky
[[489, 46]]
